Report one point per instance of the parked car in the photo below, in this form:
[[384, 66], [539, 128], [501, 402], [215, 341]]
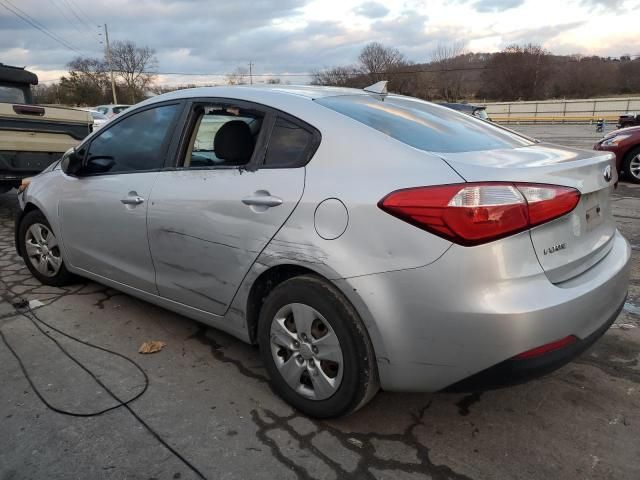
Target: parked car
[[99, 119], [628, 120], [32, 136], [362, 240], [111, 110], [625, 144], [479, 111]]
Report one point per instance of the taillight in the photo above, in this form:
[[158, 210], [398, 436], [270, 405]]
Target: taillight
[[475, 213]]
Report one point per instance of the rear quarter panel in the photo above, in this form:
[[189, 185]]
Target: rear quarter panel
[[359, 166]]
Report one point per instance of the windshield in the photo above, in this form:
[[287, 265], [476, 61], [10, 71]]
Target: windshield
[[117, 110], [481, 113], [424, 125], [12, 94], [98, 116]]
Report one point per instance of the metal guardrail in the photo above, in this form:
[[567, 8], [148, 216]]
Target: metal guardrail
[[554, 119], [563, 111]]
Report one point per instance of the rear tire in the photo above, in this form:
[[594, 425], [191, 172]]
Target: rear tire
[[631, 165], [328, 371], [41, 251]]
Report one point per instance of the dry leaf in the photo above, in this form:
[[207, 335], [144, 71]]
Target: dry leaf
[[151, 347]]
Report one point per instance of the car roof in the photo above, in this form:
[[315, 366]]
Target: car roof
[[238, 91]]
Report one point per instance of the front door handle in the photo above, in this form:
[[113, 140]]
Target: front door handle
[[132, 200], [262, 199]]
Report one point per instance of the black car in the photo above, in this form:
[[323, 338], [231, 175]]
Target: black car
[[470, 109], [628, 120]]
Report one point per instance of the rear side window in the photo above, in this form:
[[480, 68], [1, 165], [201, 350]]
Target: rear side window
[[423, 125], [290, 145], [12, 94]]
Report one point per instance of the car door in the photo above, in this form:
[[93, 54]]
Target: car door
[[103, 208], [210, 218]]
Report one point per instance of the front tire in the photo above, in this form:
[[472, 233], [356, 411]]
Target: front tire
[[41, 250], [316, 349], [631, 165]]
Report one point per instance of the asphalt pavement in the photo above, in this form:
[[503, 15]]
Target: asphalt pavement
[[205, 408]]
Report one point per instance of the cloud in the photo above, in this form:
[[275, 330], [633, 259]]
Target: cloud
[[603, 4], [296, 36], [371, 10], [541, 35], [496, 5]]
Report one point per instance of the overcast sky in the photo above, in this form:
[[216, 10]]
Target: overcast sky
[[297, 36]]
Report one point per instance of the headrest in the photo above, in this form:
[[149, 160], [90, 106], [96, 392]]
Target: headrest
[[234, 143]]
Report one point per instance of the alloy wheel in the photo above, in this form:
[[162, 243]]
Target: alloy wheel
[[306, 351], [634, 167], [41, 246]]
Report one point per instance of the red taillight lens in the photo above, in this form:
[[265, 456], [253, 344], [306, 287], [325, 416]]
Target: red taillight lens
[[475, 213], [547, 348]]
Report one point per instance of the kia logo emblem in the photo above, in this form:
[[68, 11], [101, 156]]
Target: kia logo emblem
[[607, 173]]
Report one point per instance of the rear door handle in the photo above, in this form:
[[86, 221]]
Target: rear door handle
[[262, 200], [132, 200]]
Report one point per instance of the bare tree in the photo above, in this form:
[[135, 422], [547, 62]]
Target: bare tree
[[135, 66], [86, 83], [449, 70], [238, 76], [336, 76], [378, 61], [518, 72]]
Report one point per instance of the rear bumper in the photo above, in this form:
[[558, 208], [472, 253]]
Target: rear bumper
[[514, 371], [475, 308]]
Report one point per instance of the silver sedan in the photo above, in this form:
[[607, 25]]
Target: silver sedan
[[363, 240]]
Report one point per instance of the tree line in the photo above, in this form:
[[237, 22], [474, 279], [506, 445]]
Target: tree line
[[519, 72]]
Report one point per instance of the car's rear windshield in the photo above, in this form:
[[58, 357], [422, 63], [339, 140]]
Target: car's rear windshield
[[424, 125]]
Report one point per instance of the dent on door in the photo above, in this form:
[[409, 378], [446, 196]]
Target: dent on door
[[207, 227]]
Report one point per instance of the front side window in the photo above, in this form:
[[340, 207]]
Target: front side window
[[137, 143], [423, 125], [289, 145], [223, 136]]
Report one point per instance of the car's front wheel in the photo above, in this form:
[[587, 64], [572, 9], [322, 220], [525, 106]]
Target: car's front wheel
[[41, 250], [316, 349]]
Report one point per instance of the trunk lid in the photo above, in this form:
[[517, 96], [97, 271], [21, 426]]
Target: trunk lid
[[569, 245]]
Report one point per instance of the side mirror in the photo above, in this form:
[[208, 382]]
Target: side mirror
[[97, 164], [71, 163]]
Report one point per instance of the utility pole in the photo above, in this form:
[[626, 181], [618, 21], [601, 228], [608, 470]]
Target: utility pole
[[113, 82], [250, 73]]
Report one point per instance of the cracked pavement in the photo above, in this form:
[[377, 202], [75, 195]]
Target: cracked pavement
[[209, 399]]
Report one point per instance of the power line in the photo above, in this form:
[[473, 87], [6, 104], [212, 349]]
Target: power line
[[71, 22], [37, 25], [358, 73], [84, 14], [82, 21]]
